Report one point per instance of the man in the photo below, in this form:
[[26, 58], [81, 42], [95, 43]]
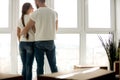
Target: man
[[46, 25]]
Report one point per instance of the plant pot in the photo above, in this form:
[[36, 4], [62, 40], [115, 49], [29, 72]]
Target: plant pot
[[116, 67]]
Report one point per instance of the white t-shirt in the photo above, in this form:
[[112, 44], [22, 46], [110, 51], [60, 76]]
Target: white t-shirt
[[30, 32], [45, 23]]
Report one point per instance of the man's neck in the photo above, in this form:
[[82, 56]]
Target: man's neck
[[42, 5]]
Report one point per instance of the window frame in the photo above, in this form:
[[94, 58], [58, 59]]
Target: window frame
[[14, 45]]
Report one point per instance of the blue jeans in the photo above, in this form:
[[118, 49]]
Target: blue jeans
[[27, 57], [48, 48]]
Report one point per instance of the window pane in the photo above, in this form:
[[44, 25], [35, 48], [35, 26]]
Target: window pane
[[4, 7], [99, 14], [96, 54], [5, 40], [67, 50], [67, 13]]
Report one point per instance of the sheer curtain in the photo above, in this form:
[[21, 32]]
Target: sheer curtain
[[5, 38], [5, 62], [8, 38], [118, 24]]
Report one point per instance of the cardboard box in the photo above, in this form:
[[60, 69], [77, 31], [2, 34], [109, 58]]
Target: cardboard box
[[80, 74], [4, 76], [89, 66]]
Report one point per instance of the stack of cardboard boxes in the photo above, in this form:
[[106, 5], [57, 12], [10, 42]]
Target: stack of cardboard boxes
[[81, 74], [4, 76]]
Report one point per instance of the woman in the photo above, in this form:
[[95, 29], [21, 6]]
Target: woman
[[26, 42]]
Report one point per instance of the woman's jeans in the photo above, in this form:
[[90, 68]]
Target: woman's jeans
[[27, 57], [48, 48]]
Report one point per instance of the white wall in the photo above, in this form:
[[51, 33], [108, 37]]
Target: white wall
[[118, 23], [118, 19]]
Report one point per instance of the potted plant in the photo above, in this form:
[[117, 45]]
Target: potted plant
[[111, 49]]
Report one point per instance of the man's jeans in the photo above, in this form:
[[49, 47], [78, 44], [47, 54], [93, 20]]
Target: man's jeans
[[48, 48], [27, 57]]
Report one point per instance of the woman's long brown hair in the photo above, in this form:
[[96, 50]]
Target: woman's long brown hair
[[25, 8]]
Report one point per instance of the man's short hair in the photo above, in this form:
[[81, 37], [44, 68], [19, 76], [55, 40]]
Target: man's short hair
[[42, 1]]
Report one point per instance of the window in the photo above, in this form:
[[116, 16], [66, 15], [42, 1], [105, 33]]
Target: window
[[67, 13], [98, 20], [76, 44], [4, 7]]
